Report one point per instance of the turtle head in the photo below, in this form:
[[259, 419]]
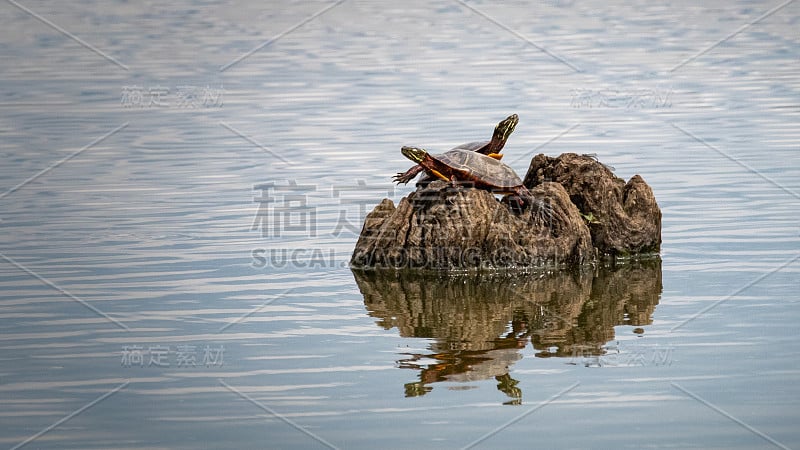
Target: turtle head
[[505, 128], [414, 153]]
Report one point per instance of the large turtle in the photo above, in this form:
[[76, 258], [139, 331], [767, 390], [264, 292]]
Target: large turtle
[[475, 169], [491, 148]]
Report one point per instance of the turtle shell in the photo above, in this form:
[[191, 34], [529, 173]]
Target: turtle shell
[[477, 146], [486, 171]]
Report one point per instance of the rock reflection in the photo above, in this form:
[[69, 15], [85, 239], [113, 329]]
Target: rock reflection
[[480, 323]]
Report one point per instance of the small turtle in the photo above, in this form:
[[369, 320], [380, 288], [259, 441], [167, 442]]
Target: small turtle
[[491, 148], [479, 170]]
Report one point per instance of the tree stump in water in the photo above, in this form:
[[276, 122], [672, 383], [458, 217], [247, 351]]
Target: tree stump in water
[[441, 226], [626, 217]]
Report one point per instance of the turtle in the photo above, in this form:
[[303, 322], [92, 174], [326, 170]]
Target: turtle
[[477, 170], [491, 148]]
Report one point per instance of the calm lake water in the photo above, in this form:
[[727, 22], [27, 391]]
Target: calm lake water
[[182, 185]]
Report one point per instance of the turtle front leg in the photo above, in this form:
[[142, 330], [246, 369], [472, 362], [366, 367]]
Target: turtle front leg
[[408, 175]]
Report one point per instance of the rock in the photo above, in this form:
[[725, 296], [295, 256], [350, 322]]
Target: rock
[[627, 219], [583, 210], [444, 227]]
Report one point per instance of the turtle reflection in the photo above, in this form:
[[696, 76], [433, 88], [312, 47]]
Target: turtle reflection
[[479, 324]]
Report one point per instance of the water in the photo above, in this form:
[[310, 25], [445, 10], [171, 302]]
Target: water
[[147, 303]]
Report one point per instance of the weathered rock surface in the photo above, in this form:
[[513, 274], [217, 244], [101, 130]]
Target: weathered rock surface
[[444, 227], [627, 219], [441, 226]]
